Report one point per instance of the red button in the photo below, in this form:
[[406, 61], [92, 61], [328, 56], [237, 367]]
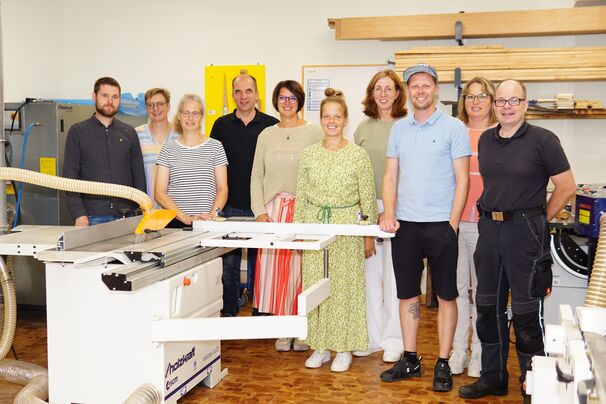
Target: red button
[[186, 281]]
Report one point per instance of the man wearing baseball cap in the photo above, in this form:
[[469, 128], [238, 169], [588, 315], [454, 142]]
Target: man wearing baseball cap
[[424, 192]]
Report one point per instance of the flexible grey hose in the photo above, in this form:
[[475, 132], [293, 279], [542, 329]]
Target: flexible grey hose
[[145, 394], [34, 377]]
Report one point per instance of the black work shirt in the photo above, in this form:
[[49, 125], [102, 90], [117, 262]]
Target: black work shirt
[[240, 142], [516, 170], [96, 153]]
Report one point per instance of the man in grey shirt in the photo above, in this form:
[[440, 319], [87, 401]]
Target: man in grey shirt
[[103, 149]]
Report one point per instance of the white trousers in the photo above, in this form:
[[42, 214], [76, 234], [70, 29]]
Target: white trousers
[[382, 305], [466, 276]]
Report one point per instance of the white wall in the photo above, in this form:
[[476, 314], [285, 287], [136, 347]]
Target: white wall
[[57, 48]]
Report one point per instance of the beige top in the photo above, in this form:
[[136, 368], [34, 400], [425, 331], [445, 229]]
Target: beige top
[[373, 135], [276, 162]]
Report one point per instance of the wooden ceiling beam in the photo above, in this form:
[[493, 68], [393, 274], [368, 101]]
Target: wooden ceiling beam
[[499, 24]]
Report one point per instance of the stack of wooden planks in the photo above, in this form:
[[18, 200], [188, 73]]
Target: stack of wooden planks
[[497, 63]]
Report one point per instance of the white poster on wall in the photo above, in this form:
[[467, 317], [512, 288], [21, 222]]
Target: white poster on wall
[[350, 79]]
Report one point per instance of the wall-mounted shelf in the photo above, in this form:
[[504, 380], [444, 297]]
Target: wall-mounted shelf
[[497, 63], [574, 114], [500, 24]]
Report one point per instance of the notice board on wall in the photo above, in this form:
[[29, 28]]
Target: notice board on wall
[[350, 79]]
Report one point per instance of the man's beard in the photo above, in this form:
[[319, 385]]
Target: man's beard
[[101, 111]]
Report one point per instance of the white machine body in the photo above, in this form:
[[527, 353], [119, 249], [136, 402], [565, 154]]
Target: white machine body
[[574, 369], [99, 348]]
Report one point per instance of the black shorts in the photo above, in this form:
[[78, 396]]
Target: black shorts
[[436, 241]]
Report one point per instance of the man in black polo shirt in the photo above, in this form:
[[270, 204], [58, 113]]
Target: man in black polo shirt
[[517, 160], [103, 149], [238, 132]]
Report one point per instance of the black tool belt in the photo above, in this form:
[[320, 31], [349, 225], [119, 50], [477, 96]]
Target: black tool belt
[[510, 215]]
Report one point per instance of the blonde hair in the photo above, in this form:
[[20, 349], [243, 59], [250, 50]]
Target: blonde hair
[[487, 87], [187, 97], [336, 96]]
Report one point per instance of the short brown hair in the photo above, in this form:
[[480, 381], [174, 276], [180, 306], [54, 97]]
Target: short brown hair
[[187, 97], [487, 87], [292, 86], [106, 81], [334, 95], [398, 108], [153, 91]]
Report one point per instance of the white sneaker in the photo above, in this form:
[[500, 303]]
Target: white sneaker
[[369, 351], [475, 364], [300, 346], [458, 361], [283, 344], [341, 362], [391, 357], [317, 359]]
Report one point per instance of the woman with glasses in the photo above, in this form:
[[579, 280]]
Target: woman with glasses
[[192, 170], [385, 102], [476, 112], [336, 185], [155, 133], [272, 188]]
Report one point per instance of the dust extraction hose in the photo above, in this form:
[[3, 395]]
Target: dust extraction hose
[[79, 186], [145, 394], [33, 376], [596, 292]]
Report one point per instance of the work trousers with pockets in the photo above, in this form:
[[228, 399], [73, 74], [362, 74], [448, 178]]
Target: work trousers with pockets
[[504, 258]]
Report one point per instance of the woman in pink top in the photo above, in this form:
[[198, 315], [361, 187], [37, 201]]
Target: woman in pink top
[[475, 110]]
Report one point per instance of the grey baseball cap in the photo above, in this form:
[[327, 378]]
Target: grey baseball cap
[[420, 68]]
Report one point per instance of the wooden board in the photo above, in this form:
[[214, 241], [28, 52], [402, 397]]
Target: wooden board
[[497, 63], [500, 24]]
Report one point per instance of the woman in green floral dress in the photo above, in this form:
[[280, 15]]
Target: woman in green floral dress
[[336, 185]]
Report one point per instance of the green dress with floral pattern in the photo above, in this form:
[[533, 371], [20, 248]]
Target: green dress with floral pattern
[[333, 187]]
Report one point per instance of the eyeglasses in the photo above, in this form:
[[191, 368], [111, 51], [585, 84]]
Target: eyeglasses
[[159, 105], [480, 97], [387, 90], [194, 114], [282, 99], [513, 101]]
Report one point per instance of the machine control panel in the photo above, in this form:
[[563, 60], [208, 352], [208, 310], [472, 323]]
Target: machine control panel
[[590, 206]]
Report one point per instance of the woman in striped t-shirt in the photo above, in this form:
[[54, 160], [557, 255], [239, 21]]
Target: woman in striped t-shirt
[[192, 170]]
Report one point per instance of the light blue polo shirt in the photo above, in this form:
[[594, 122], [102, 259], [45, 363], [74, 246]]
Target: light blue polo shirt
[[426, 183]]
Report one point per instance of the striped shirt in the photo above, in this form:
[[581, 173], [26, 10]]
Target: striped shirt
[[150, 149], [191, 182]]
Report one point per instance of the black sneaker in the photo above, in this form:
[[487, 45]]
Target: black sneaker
[[442, 377], [481, 389], [402, 369]]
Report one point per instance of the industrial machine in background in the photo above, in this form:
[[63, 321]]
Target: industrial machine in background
[[40, 129], [575, 370], [573, 248]]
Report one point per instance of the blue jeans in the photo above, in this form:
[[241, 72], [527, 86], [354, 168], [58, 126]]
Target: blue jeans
[[93, 220], [231, 269]]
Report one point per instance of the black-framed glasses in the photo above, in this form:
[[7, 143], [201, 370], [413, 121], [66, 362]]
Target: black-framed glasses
[[159, 105], [282, 99], [194, 114], [513, 101], [472, 97]]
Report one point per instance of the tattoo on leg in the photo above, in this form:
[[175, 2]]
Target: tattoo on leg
[[414, 309]]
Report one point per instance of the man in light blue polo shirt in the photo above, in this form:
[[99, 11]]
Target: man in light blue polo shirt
[[424, 192]]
